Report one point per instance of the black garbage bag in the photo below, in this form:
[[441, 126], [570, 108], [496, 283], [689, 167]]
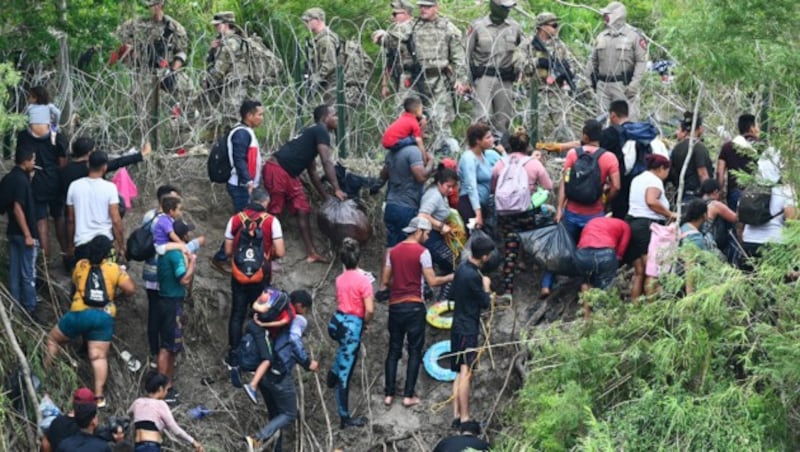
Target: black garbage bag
[[495, 260], [339, 219], [552, 248]]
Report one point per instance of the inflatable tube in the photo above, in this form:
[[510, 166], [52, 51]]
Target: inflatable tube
[[431, 362], [434, 315]]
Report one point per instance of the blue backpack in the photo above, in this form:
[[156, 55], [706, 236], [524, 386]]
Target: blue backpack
[[638, 140]]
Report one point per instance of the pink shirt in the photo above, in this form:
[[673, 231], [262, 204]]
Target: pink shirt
[[536, 172], [608, 165], [158, 412], [352, 288]]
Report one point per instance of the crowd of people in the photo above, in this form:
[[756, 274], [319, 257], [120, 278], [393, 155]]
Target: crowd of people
[[614, 198]]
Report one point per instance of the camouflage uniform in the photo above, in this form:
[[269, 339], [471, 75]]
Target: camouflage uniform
[[153, 46], [490, 56], [542, 62], [322, 60], [227, 79], [618, 61], [440, 53]]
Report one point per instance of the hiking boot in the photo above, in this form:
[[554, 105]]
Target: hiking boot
[[331, 380], [358, 421], [251, 394], [171, 397]]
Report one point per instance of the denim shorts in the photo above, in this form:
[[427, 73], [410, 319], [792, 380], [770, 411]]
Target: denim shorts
[[94, 324]]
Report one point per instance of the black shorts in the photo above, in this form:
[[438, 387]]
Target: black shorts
[[55, 207], [170, 330], [640, 238], [458, 344]]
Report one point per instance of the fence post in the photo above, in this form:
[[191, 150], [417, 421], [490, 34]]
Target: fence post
[[341, 112], [534, 88]]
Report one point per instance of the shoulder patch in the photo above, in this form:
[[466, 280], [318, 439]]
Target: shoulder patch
[[643, 43]]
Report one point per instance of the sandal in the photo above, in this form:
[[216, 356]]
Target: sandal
[[408, 402], [101, 401], [388, 400]]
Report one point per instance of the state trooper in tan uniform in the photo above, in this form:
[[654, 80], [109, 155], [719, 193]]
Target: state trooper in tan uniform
[[491, 44], [227, 80], [551, 63], [323, 57], [618, 61]]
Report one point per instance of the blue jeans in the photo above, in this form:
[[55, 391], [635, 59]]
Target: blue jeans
[[733, 199], [280, 396], [598, 265], [239, 195], [397, 217], [22, 271], [574, 224]]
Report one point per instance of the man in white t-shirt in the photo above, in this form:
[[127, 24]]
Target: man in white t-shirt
[[782, 205], [93, 209]]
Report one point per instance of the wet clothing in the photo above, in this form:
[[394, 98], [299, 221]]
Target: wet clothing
[[406, 321], [461, 443], [283, 189], [470, 299], [297, 154], [345, 329], [46, 181]]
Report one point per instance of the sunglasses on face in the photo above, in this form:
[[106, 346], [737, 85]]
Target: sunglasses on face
[[554, 25], [397, 13]]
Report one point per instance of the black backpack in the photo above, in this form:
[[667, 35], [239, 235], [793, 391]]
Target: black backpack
[[140, 245], [754, 206], [94, 291], [583, 183], [248, 263], [219, 163]]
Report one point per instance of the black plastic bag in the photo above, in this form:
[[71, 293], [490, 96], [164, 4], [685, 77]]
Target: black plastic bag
[[495, 260], [339, 219], [552, 248]]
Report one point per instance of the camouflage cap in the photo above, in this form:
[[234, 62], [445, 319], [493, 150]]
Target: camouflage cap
[[505, 3], [224, 17], [149, 3], [545, 18], [313, 13], [427, 2], [613, 6], [402, 6]]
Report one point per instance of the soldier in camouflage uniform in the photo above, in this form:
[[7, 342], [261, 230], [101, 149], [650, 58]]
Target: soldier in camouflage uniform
[[551, 66], [323, 57], [402, 11], [618, 61], [491, 44], [435, 69], [155, 44], [227, 80]]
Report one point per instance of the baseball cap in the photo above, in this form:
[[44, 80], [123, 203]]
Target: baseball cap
[[402, 6], [83, 396], [313, 13], [545, 18], [427, 2], [224, 17], [152, 2], [98, 159], [505, 3], [181, 228], [613, 6], [416, 224]]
